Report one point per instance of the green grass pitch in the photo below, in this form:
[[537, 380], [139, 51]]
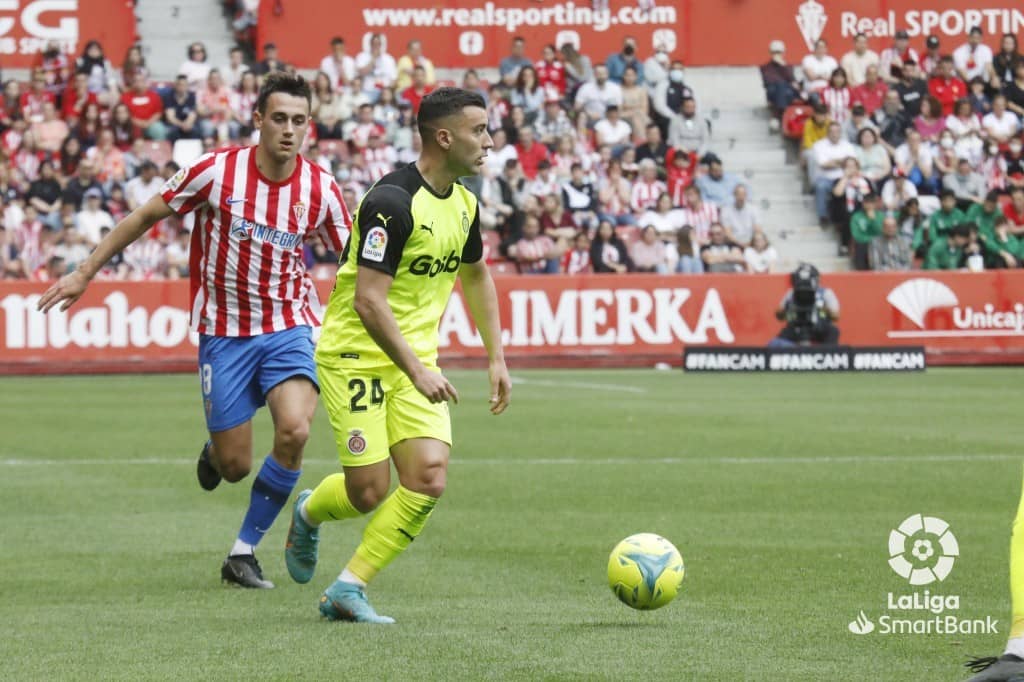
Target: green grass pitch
[[780, 492]]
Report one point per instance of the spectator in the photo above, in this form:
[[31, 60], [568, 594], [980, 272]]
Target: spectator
[[144, 186], [551, 73], [716, 185], [608, 252], [966, 185], [947, 251], [932, 57], [50, 131], [656, 66], [613, 131], [125, 131], [912, 89], [147, 109], [663, 217], [760, 255], [893, 58], [897, 192], [132, 65], [115, 203], [634, 102], [653, 147], [1014, 92], [71, 155], [180, 111], [553, 124], [10, 104], [818, 67], [981, 103], [836, 96], [779, 80], [594, 97], [535, 253], [618, 62], [828, 156], [418, 89], [973, 59], [578, 70], [108, 158], [870, 93], [667, 98], [857, 122], [215, 106], [1014, 163], [407, 64], [1003, 250], [647, 188], [471, 82], [912, 221], [699, 214], [740, 218], [76, 187], [195, 68], [986, 214], [689, 261], [930, 123], [580, 198], [88, 127], [962, 122], [101, 78], [855, 63], [688, 131], [556, 222], [991, 168], [1015, 211], [815, 129], [941, 223], [75, 98], [1004, 64], [91, 219], [530, 152], [54, 63], [889, 251], [946, 87], [545, 183], [244, 103], [177, 256], [236, 67], [500, 153], [380, 157], [1000, 125], [44, 195], [891, 123], [497, 206], [271, 61], [376, 67], [847, 195], [720, 254], [682, 168], [33, 99], [873, 158], [648, 253], [865, 225], [614, 196], [576, 261], [528, 93], [509, 66]]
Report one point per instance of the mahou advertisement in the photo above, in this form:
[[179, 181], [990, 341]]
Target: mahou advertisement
[[595, 320]]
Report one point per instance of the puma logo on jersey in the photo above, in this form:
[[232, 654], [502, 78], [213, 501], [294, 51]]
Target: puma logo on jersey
[[428, 229], [384, 221]]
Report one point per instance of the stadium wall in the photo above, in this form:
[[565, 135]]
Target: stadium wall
[[471, 33], [26, 26], [594, 320]]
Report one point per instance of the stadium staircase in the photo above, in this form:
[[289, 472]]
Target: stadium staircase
[[732, 98], [167, 27]]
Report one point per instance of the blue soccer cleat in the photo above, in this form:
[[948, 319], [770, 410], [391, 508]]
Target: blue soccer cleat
[[300, 551], [345, 601]]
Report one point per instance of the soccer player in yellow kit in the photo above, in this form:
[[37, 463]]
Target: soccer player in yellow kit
[[414, 232]]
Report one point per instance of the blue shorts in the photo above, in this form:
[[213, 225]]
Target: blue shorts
[[236, 373]]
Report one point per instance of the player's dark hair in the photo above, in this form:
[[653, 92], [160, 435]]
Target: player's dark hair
[[444, 102], [279, 81]]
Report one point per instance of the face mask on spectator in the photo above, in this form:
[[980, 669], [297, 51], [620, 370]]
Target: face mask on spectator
[[993, 149], [676, 75], [1015, 148]]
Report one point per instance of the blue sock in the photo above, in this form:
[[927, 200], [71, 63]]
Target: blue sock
[[270, 492]]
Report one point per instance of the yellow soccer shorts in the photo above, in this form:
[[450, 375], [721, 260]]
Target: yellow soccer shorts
[[373, 408]]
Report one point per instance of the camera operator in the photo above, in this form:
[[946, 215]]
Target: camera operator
[[809, 311]]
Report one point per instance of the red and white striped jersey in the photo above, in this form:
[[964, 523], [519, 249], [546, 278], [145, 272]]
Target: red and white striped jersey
[[700, 219], [645, 194], [246, 257]]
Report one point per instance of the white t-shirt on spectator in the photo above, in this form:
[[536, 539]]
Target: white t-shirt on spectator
[[893, 200], [981, 58], [1003, 126], [136, 190], [89, 223], [539, 187], [856, 66], [811, 64], [619, 133], [925, 158], [233, 77], [196, 72], [339, 74], [760, 261], [667, 224], [495, 160], [959, 127], [595, 100], [826, 152], [384, 73]]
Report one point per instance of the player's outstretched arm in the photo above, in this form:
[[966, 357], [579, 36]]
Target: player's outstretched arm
[[482, 299], [70, 287], [371, 304]]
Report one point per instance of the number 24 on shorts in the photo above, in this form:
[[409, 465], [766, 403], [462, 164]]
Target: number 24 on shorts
[[357, 387]]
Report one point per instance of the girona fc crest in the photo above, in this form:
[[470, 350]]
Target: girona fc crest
[[356, 442], [811, 20], [299, 211]]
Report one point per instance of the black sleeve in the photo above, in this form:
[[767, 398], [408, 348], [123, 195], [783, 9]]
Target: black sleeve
[[385, 223], [473, 249]]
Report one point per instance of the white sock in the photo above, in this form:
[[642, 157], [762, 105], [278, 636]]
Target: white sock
[[351, 578], [1015, 646], [242, 548], [305, 516]]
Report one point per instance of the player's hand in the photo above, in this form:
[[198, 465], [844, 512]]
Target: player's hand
[[435, 387], [67, 289], [501, 387]]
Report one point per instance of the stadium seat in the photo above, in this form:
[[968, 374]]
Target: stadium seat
[[186, 151], [159, 152]]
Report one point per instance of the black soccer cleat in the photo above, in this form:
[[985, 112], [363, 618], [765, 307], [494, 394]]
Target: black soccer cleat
[[243, 570], [991, 669], [209, 477]]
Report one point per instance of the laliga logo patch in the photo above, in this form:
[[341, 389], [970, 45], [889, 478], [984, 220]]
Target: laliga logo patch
[[376, 244], [175, 182], [299, 211], [356, 442]]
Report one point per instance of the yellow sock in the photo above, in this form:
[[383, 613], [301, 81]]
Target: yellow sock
[[1017, 572], [329, 501], [394, 525]]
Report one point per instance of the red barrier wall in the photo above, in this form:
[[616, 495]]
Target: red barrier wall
[[592, 320], [27, 25], [461, 33]]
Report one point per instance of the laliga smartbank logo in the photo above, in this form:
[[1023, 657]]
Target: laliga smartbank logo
[[922, 551]]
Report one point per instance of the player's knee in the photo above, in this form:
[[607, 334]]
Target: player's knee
[[368, 499], [234, 471], [292, 437], [430, 481]]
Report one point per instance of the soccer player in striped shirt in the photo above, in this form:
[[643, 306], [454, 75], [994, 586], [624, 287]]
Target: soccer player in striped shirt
[[252, 301]]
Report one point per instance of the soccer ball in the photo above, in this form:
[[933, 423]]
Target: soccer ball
[[645, 571]]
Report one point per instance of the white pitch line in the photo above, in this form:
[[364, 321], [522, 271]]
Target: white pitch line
[[579, 384], [577, 461]]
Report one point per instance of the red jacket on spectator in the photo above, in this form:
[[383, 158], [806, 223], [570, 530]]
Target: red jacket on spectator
[[414, 98], [551, 75], [870, 97], [678, 179], [947, 91], [529, 158], [143, 106], [72, 107]]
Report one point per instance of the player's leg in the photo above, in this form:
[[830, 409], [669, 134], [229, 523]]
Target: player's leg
[[227, 455]]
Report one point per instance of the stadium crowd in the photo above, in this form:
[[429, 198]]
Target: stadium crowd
[[914, 158], [596, 166]]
